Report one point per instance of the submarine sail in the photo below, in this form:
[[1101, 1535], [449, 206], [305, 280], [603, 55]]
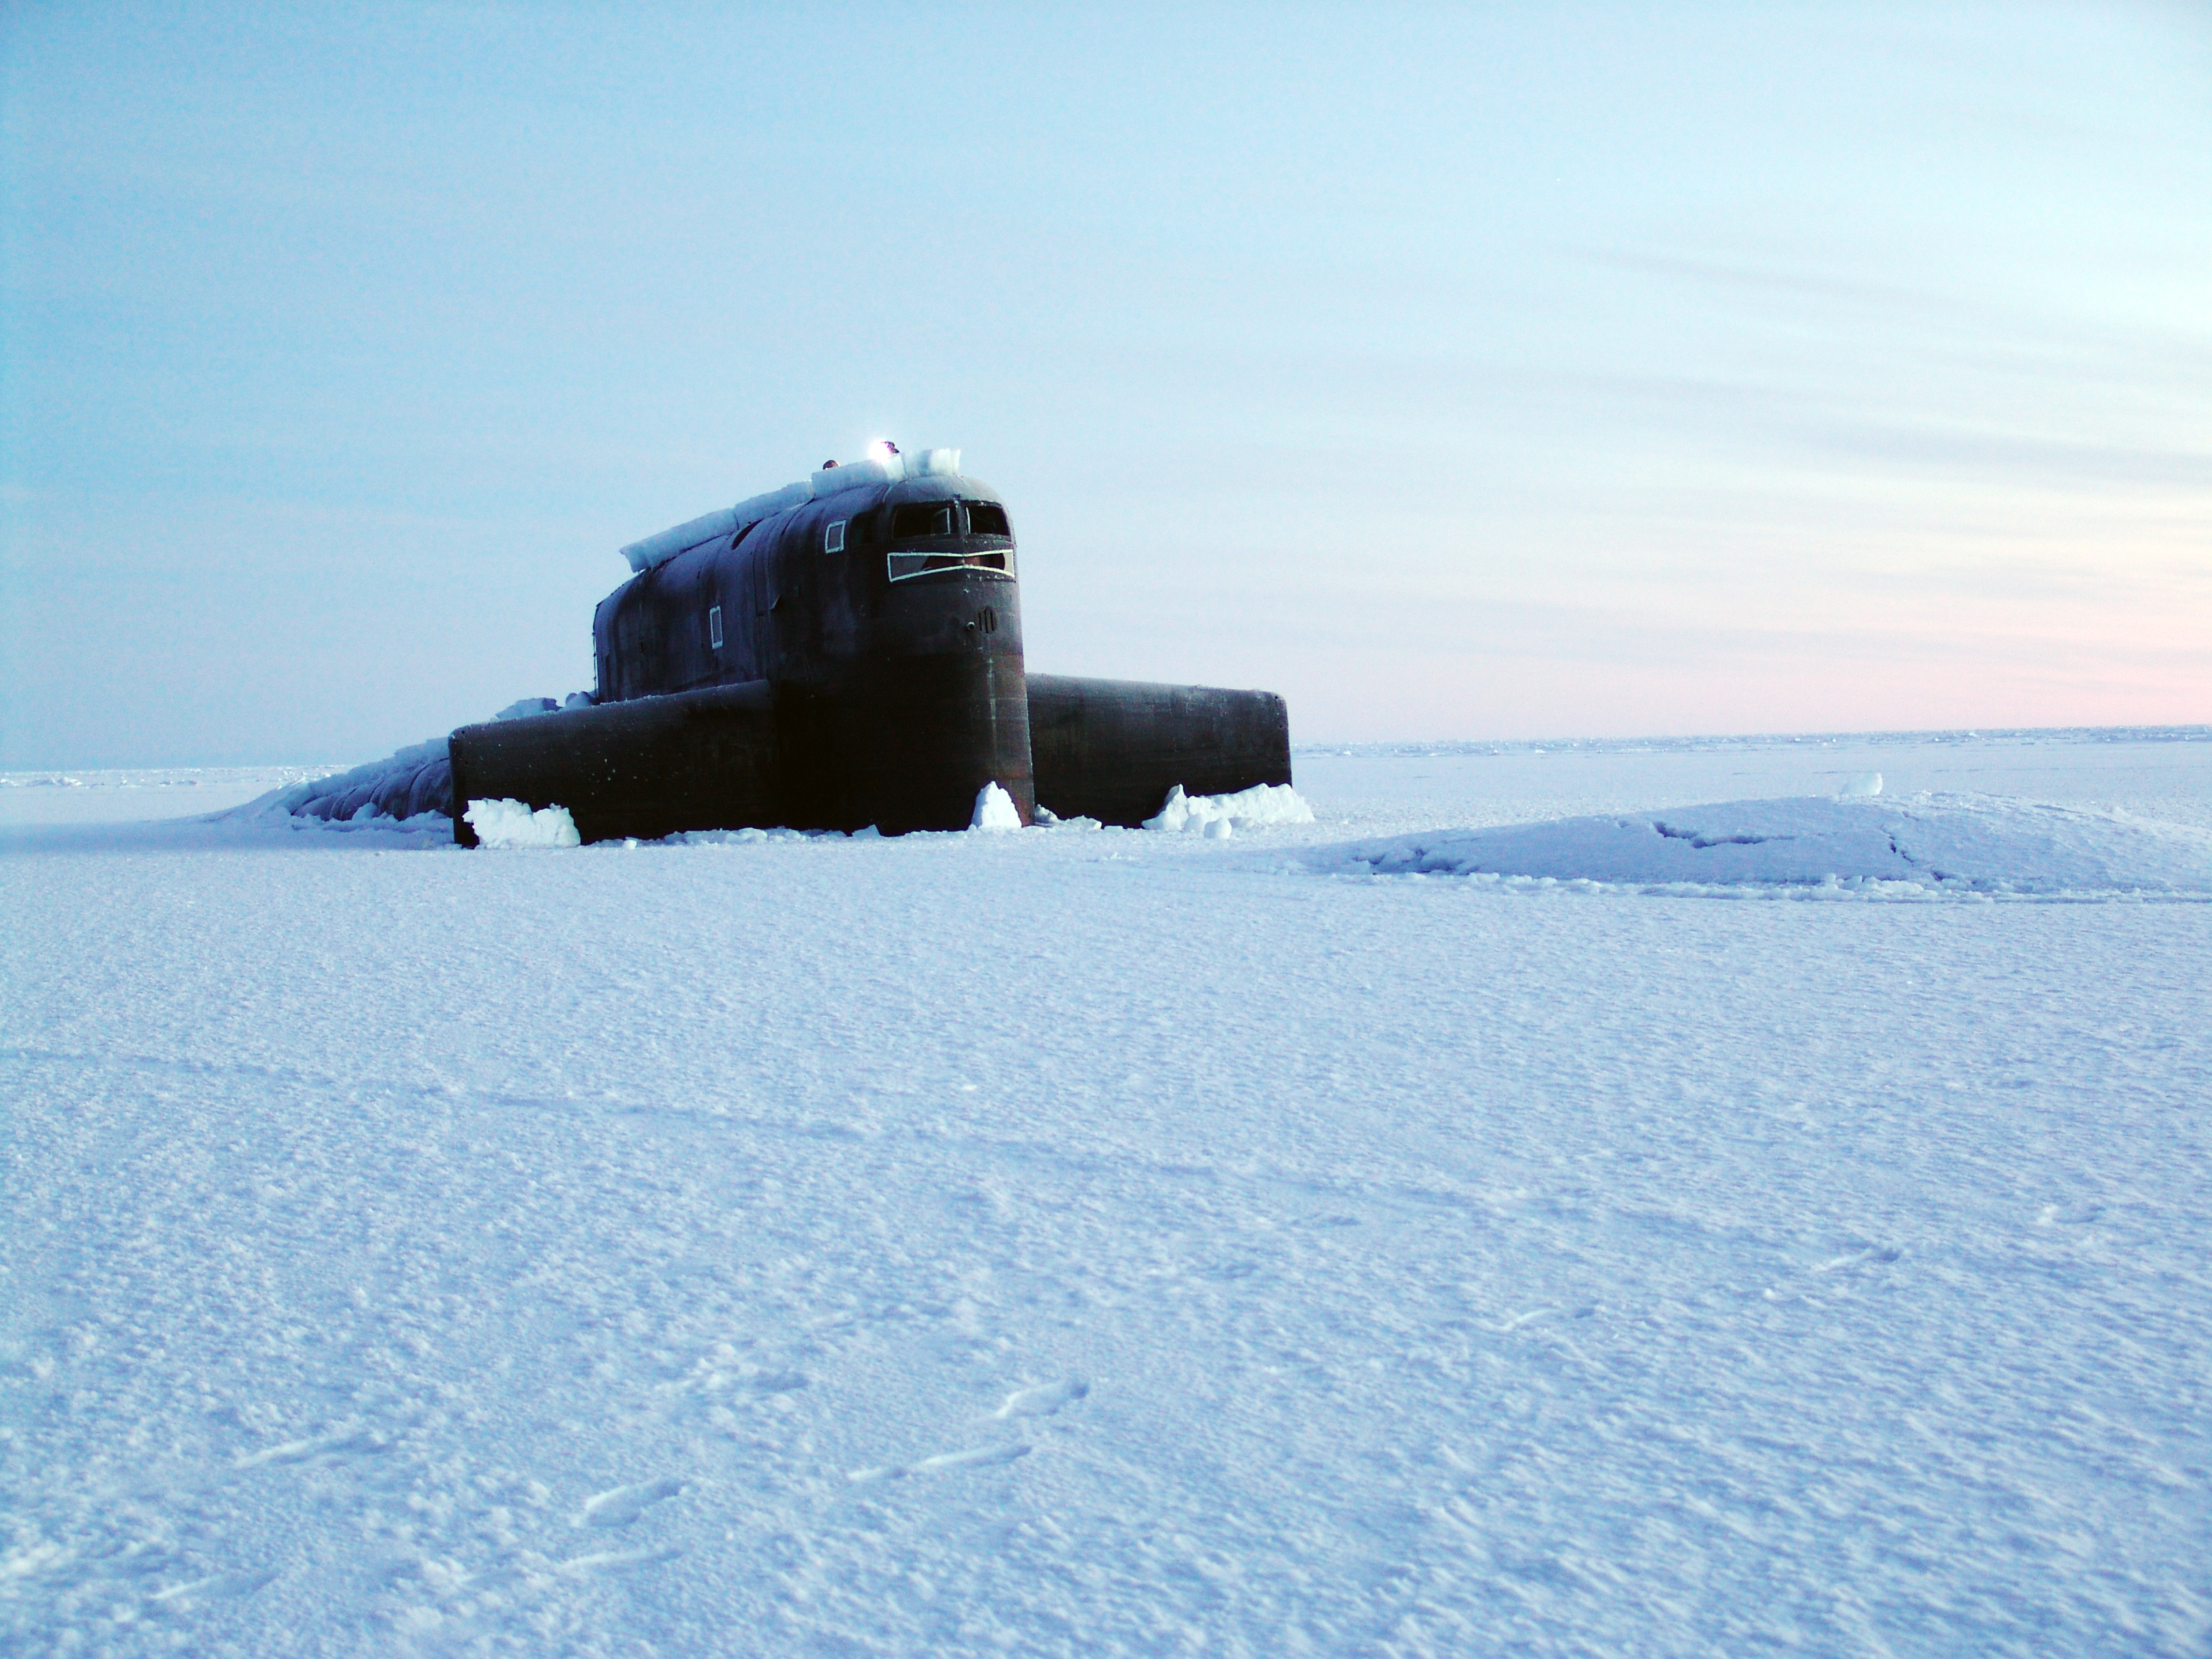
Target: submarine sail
[[844, 652]]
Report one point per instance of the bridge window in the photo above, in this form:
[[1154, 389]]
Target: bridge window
[[921, 519], [833, 539], [988, 518], [714, 626]]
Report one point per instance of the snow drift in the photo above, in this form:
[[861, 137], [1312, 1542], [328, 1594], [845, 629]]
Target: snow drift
[[1955, 842], [995, 810], [512, 823], [1263, 803], [416, 780]]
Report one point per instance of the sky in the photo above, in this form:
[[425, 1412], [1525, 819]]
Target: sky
[[1480, 372]]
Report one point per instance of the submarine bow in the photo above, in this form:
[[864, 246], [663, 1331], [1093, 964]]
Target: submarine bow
[[844, 652]]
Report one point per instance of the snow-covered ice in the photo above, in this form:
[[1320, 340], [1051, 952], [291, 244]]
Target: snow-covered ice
[[127, 795], [415, 780], [1084, 1240], [1954, 844]]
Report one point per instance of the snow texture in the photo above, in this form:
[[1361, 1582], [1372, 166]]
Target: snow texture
[[665, 545], [512, 823], [995, 810], [1080, 1241], [1263, 803], [853, 475]]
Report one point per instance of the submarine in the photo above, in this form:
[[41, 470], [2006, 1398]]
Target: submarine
[[847, 651]]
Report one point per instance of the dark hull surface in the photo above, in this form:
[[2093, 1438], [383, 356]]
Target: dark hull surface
[[909, 751]]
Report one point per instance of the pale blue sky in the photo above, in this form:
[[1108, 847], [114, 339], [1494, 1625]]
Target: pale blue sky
[[1485, 371]]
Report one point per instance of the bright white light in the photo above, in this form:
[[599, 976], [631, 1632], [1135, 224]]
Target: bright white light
[[882, 450]]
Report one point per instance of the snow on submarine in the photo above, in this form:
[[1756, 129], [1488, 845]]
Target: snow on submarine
[[843, 651]]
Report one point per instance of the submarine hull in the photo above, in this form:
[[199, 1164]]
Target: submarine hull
[[847, 653], [648, 766], [907, 748], [1111, 750]]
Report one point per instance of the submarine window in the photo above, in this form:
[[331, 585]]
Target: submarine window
[[902, 566], [988, 518], [921, 519], [833, 539], [714, 626]]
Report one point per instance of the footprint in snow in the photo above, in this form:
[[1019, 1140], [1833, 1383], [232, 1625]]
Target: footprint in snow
[[2073, 1215], [338, 1442], [615, 1561], [227, 1586], [944, 1460], [1873, 1255], [624, 1505], [1044, 1400], [1587, 1310]]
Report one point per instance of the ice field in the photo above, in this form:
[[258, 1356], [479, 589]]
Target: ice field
[[1465, 1224]]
